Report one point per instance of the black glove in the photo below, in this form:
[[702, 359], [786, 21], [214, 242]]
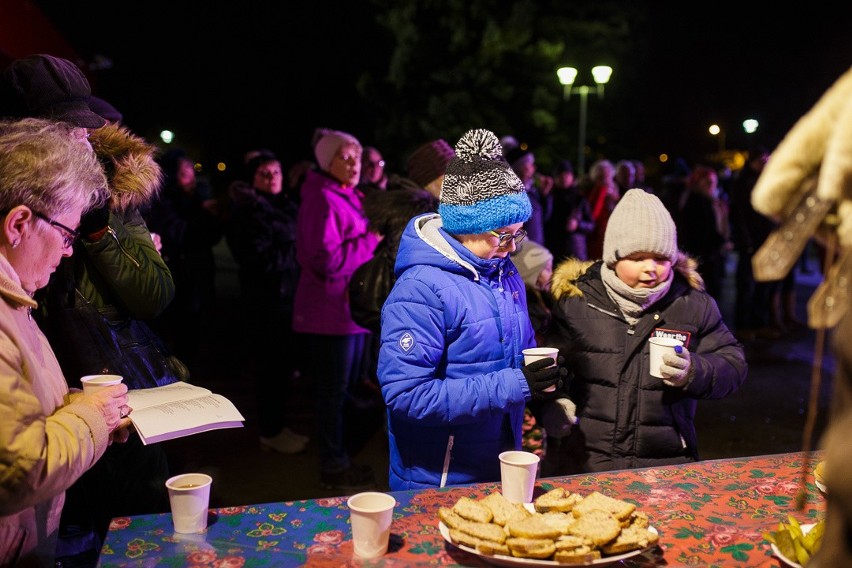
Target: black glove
[[95, 221], [541, 375]]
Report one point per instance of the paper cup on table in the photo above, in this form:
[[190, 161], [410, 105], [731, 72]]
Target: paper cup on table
[[371, 514], [517, 473], [189, 497], [659, 346], [94, 383]]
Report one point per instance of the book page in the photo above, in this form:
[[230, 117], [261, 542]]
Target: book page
[[143, 398], [180, 409]]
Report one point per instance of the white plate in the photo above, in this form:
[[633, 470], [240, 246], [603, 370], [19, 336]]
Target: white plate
[[821, 486], [500, 560], [784, 560]]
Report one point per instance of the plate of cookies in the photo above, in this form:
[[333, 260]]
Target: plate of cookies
[[557, 528]]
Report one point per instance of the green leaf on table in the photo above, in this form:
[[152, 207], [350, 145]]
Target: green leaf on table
[[720, 521], [760, 474], [687, 533], [779, 500], [738, 551]]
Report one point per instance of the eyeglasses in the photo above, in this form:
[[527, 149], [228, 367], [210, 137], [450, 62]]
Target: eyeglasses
[[506, 238], [376, 164], [69, 235]]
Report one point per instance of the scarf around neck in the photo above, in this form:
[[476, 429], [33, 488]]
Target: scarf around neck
[[632, 302]]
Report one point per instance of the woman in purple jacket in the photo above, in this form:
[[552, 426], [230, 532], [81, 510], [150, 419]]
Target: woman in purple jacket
[[332, 241]]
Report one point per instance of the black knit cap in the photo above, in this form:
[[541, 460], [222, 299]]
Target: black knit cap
[[429, 161], [257, 160], [45, 86], [564, 166]]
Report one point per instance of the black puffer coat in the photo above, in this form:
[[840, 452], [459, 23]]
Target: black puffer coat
[[627, 418], [388, 212], [261, 236]]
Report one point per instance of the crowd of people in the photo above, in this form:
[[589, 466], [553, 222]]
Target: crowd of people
[[417, 287]]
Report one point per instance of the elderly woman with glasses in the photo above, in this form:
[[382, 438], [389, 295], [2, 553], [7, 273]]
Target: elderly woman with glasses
[[454, 326], [49, 436]]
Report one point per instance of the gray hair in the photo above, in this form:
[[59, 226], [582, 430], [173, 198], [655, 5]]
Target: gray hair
[[43, 166]]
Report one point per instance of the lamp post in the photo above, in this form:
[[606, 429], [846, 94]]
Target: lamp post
[[717, 131], [567, 76]]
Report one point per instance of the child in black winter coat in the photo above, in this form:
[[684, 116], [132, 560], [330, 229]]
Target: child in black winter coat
[[604, 315]]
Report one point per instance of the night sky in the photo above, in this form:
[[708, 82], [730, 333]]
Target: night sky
[[265, 74]]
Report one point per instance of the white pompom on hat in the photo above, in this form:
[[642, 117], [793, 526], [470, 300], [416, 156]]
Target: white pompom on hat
[[639, 223]]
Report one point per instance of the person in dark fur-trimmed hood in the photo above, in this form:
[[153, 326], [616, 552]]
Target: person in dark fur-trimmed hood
[[117, 268], [604, 315], [115, 274]]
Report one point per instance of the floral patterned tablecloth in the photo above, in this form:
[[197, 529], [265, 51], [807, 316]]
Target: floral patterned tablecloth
[[708, 514]]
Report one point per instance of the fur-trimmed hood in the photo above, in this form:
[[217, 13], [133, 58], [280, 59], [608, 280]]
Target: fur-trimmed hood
[[569, 271], [134, 176]]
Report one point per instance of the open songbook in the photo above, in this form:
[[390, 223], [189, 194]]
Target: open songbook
[[179, 409]]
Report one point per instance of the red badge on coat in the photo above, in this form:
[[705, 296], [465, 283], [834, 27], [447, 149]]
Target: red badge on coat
[[683, 336]]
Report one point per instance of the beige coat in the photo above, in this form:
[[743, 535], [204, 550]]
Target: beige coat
[[47, 441], [808, 183]]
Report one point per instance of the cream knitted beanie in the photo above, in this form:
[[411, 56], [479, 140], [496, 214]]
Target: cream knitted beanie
[[639, 223]]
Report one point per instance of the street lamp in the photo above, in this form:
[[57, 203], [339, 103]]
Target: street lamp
[[567, 76], [750, 125], [716, 130]]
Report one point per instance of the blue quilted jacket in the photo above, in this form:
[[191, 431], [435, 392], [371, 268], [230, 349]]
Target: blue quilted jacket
[[452, 332]]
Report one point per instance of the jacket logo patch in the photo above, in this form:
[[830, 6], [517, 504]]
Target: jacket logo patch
[[406, 342], [683, 336]]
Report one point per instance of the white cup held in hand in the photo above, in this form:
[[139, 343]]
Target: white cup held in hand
[[517, 474], [189, 497], [94, 383], [371, 514], [533, 354], [659, 346]]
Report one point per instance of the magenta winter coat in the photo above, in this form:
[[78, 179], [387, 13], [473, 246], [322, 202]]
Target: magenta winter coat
[[331, 242]]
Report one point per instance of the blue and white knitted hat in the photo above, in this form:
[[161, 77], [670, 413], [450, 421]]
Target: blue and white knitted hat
[[480, 192]]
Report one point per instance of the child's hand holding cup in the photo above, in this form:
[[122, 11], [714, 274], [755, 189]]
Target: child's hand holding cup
[[670, 361], [534, 354]]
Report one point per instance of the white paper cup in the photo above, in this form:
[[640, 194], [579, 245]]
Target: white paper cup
[[659, 346], [94, 383], [371, 514], [189, 497], [533, 354], [517, 474]]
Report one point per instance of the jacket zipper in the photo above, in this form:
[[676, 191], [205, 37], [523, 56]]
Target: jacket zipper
[[447, 457], [122, 249]]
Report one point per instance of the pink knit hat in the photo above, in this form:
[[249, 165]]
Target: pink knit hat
[[327, 145]]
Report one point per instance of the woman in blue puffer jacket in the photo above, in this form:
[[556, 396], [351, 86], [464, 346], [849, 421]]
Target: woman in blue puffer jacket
[[454, 326]]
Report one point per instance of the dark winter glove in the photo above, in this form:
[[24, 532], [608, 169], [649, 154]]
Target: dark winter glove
[[677, 367], [94, 224], [544, 378]]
